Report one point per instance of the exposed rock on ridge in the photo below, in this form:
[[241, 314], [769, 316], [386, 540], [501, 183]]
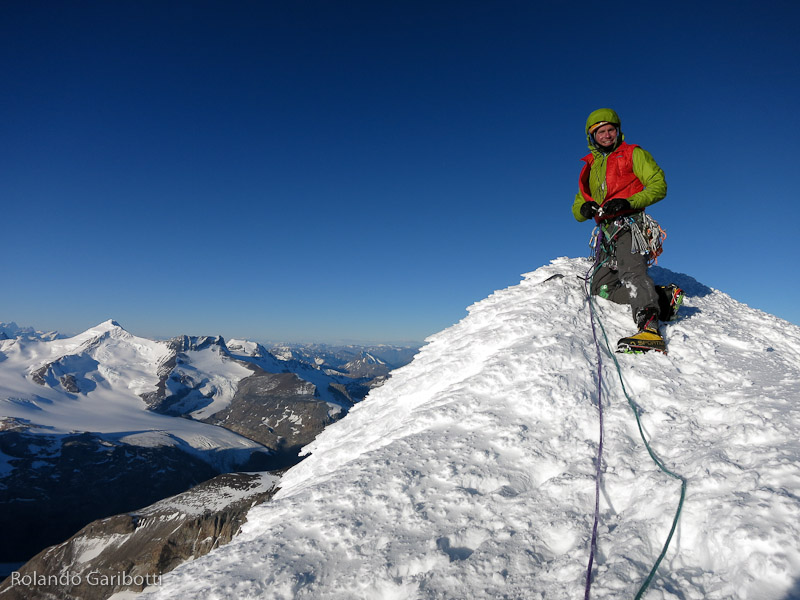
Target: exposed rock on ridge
[[129, 551]]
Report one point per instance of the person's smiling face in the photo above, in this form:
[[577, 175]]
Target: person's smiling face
[[606, 135]]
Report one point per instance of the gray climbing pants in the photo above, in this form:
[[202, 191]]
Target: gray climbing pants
[[628, 282]]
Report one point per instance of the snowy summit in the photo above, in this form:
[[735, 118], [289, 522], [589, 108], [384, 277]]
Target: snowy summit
[[471, 472]]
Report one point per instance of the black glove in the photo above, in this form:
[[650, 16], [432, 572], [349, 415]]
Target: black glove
[[589, 209], [616, 205]]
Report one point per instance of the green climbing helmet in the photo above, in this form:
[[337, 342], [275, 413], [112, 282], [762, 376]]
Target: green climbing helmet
[[602, 116]]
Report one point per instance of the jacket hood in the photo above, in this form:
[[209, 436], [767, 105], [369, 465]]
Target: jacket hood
[[603, 114]]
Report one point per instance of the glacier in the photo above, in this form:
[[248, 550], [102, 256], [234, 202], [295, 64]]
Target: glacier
[[471, 472], [114, 368]]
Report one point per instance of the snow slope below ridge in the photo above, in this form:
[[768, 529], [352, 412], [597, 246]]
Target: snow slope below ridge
[[469, 474]]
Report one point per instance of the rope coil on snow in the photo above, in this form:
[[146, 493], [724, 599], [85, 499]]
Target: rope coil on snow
[[587, 287]]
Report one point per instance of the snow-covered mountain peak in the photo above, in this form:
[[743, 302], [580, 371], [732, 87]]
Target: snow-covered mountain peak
[[95, 381], [246, 347], [109, 326], [370, 359], [470, 472]]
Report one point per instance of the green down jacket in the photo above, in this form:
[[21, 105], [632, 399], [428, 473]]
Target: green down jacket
[[644, 167]]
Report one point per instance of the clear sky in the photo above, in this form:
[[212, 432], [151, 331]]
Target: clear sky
[[364, 170]]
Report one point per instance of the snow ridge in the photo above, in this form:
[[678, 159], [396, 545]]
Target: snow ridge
[[469, 474]]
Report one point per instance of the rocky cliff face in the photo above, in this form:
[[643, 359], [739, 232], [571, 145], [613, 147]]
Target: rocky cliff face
[[62, 482], [278, 410], [132, 550]]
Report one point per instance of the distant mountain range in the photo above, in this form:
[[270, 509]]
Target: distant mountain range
[[106, 422], [12, 330]]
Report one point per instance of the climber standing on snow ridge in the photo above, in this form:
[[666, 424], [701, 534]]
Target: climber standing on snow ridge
[[616, 184]]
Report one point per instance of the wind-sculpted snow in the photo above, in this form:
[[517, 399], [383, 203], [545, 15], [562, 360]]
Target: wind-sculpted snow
[[470, 473]]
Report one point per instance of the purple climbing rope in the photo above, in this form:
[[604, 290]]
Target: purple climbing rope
[[599, 470]]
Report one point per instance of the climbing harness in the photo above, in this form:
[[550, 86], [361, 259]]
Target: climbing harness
[[647, 237], [598, 473]]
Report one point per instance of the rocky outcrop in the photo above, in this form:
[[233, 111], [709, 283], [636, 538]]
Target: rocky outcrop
[[279, 410], [61, 483], [133, 550], [367, 366], [161, 400]]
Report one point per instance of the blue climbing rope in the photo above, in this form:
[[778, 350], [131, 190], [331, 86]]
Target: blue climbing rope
[[587, 287]]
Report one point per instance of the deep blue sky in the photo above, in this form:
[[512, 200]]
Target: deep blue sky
[[320, 170]]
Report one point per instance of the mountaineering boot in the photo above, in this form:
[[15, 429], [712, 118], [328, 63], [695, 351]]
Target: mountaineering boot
[[670, 298], [648, 338]]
